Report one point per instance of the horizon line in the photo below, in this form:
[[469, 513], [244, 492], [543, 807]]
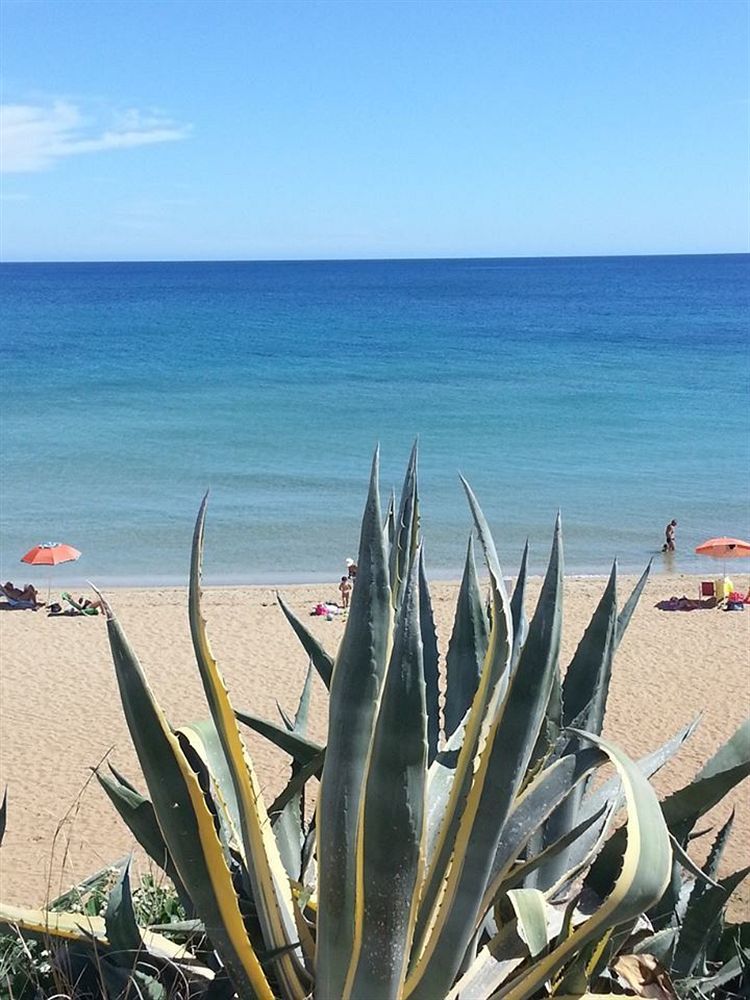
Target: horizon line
[[383, 260]]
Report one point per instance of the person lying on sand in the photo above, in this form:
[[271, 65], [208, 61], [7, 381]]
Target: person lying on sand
[[29, 593], [685, 604], [83, 606]]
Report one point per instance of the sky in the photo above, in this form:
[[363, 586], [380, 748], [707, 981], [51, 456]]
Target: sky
[[195, 129]]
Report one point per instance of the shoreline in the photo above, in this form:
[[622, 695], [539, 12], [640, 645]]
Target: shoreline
[[278, 581], [60, 712]]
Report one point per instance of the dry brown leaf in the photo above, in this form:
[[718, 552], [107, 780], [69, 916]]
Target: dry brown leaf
[[646, 976]]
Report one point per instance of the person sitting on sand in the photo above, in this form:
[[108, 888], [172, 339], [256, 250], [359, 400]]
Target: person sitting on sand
[[351, 569], [346, 590]]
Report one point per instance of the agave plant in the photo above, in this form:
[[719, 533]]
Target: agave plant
[[454, 854]]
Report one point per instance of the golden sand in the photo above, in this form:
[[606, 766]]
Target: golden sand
[[60, 712]]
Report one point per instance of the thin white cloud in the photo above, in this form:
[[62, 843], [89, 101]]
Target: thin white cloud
[[34, 136]]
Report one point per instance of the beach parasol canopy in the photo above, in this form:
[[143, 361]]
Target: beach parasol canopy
[[724, 548], [50, 554]]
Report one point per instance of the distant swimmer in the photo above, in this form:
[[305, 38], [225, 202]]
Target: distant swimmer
[[669, 545]]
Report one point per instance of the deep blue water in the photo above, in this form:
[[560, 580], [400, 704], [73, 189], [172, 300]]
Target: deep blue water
[[613, 388]]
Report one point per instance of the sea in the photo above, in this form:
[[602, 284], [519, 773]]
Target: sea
[[613, 389]]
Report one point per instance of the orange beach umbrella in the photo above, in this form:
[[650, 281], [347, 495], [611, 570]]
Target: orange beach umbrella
[[724, 548], [50, 554]]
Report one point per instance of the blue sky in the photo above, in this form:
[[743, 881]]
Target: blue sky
[[239, 130]]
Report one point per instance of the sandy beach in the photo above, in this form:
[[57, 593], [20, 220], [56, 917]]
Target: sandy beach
[[60, 713]]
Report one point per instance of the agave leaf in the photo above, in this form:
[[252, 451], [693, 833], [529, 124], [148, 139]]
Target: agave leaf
[[297, 746], [685, 861], [308, 866], [439, 781], [610, 793], [431, 662], [492, 687], [185, 821], [296, 783], [518, 608], [179, 927], [114, 980], [138, 814], [586, 966], [270, 884], [389, 525], [494, 963], [648, 764], [501, 769], [322, 661], [288, 722], [391, 830], [732, 969], [56, 924], [303, 707], [119, 920], [623, 619], [467, 647], [734, 753], [87, 929], [355, 692], [645, 872], [306, 939], [531, 913], [98, 879], [682, 810], [406, 529], [584, 696], [586, 683], [659, 945], [699, 924], [206, 743], [122, 779], [289, 825], [711, 866], [522, 871], [532, 807]]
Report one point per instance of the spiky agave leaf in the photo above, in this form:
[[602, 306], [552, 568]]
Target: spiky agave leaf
[[289, 823], [270, 886], [431, 661], [138, 815], [644, 874], [467, 646], [354, 699], [390, 843], [510, 741], [322, 661], [489, 695], [185, 820], [406, 529]]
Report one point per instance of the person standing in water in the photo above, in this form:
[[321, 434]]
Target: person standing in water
[[669, 545]]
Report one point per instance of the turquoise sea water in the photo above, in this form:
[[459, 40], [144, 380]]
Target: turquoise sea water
[[613, 388]]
